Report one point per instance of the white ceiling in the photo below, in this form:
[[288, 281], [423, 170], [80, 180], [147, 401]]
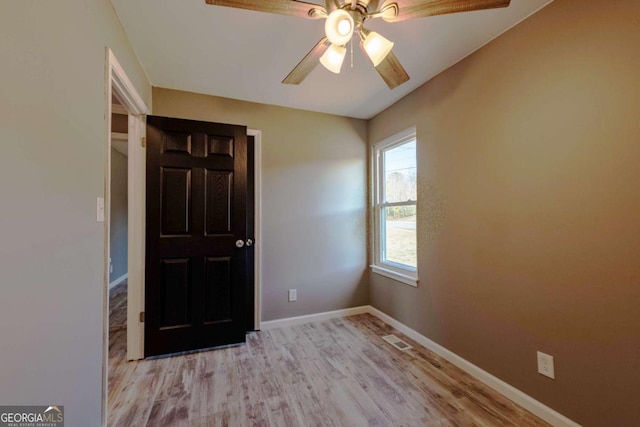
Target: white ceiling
[[191, 46]]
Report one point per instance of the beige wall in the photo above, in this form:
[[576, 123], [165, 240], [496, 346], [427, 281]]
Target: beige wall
[[528, 154], [529, 208], [52, 169], [313, 199]]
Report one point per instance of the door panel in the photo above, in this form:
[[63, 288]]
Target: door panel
[[175, 201], [219, 186], [175, 292], [218, 285], [196, 211], [176, 142], [218, 146]]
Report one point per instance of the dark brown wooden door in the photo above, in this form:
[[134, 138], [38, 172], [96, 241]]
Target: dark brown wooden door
[[196, 217]]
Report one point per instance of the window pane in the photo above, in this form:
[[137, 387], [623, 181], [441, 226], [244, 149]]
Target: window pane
[[399, 235], [400, 173]]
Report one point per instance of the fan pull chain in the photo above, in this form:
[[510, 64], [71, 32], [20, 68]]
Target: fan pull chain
[[352, 53]]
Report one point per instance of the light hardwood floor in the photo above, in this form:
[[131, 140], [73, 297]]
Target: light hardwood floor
[[118, 306], [332, 373]]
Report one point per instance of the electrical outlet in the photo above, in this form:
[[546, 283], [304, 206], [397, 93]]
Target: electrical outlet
[[545, 365], [293, 295]]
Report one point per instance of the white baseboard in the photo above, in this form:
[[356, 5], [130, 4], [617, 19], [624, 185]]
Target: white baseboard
[[289, 321], [527, 402], [119, 280]]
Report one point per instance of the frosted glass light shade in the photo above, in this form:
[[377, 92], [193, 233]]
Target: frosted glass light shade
[[339, 27], [377, 47], [332, 59]]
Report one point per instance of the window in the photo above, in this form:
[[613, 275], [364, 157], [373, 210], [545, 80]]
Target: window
[[394, 208]]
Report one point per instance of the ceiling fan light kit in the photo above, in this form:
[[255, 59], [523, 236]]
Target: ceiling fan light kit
[[376, 46], [346, 17], [333, 58], [339, 27]]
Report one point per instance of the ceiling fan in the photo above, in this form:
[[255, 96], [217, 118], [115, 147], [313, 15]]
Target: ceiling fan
[[344, 18]]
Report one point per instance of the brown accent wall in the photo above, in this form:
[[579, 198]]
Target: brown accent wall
[[529, 208], [120, 123], [313, 199]]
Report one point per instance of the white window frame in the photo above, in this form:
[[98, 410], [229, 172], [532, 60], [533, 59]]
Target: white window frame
[[399, 272]]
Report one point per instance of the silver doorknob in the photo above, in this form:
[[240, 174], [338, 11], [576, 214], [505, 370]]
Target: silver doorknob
[[249, 242], [239, 243]]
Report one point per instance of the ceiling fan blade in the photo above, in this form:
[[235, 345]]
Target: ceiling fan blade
[[308, 63], [390, 69], [410, 9], [284, 7], [331, 5]]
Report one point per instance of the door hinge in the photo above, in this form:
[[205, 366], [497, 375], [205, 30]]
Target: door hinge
[[143, 142], [142, 317]]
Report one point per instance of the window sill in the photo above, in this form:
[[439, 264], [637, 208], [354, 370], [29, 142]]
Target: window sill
[[403, 278]]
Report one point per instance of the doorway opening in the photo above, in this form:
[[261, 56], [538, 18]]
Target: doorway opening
[[118, 229], [124, 260]]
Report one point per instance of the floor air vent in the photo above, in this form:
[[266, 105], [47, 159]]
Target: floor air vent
[[397, 342]]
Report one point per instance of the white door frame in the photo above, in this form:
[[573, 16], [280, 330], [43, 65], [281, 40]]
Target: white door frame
[[118, 84], [136, 235], [257, 226]]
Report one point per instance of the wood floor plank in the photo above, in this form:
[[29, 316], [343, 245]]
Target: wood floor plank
[[133, 404], [282, 412], [118, 307], [331, 373]]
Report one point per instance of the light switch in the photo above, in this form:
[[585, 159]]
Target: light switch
[[100, 209]]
